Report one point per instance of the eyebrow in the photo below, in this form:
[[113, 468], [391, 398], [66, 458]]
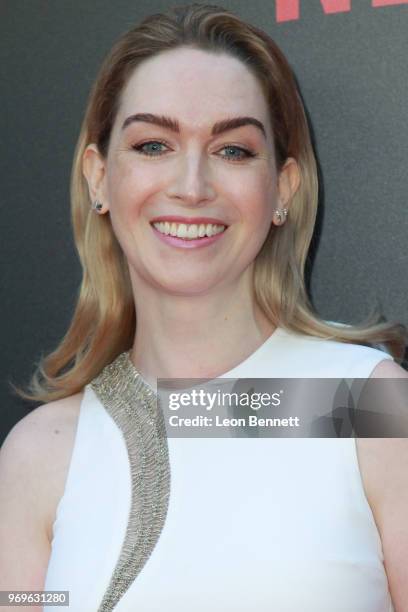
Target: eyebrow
[[173, 125]]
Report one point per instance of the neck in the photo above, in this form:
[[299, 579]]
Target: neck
[[195, 336]]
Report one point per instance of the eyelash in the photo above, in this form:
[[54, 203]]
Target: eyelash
[[138, 149]]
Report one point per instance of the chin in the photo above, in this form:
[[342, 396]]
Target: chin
[[186, 286]]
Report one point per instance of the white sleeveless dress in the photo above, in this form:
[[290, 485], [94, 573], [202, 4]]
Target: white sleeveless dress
[[267, 524]]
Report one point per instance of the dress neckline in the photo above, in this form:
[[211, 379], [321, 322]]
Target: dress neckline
[[237, 371], [256, 355]]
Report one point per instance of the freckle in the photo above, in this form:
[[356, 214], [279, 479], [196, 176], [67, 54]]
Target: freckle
[[56, 431]]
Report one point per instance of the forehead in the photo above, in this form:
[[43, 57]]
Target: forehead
[[197, 87]]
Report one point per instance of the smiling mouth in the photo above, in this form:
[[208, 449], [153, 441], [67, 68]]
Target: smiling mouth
[[189, 231]]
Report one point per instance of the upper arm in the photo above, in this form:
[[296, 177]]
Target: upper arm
[[386, 474], [387, 463], [24, 545], [34, 462]]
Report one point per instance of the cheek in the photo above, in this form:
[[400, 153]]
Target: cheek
[[129, 187], [257, 201]]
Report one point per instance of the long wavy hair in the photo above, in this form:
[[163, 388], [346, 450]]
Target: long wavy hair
[[104, 320]]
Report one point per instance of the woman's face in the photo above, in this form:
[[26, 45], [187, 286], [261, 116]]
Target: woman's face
[[152, 171]]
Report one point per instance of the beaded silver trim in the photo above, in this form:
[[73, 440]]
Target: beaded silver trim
[[135, 408]]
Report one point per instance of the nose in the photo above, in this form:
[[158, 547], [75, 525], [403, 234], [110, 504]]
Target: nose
[[191, 183]]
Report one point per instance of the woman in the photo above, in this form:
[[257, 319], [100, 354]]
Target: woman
[[194, 196]]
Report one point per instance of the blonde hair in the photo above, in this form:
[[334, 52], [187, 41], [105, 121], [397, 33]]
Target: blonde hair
[[104, 320]]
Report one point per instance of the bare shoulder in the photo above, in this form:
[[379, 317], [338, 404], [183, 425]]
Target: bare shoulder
[[34, 461], [388, 369], [38, 451]]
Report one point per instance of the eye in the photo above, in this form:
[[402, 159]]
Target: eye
[[244, 153], [154, 152]]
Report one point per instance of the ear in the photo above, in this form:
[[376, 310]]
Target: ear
[[94, 170], [288, 182]]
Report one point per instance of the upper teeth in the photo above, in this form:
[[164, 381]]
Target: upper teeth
[[183, 230]]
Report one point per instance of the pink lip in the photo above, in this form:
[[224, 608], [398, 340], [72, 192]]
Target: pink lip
[[188, 244], [188, 220]]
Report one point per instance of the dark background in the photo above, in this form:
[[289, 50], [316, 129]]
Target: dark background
[[352, 71]]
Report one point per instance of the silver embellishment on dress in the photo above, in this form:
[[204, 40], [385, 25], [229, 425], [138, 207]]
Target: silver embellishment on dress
[[135, 408]]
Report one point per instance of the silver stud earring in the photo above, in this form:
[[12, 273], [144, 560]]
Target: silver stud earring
[[97, 206], [281, 213]]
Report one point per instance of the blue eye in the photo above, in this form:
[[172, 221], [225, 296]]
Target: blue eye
[[156, 152], [241, 149]]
